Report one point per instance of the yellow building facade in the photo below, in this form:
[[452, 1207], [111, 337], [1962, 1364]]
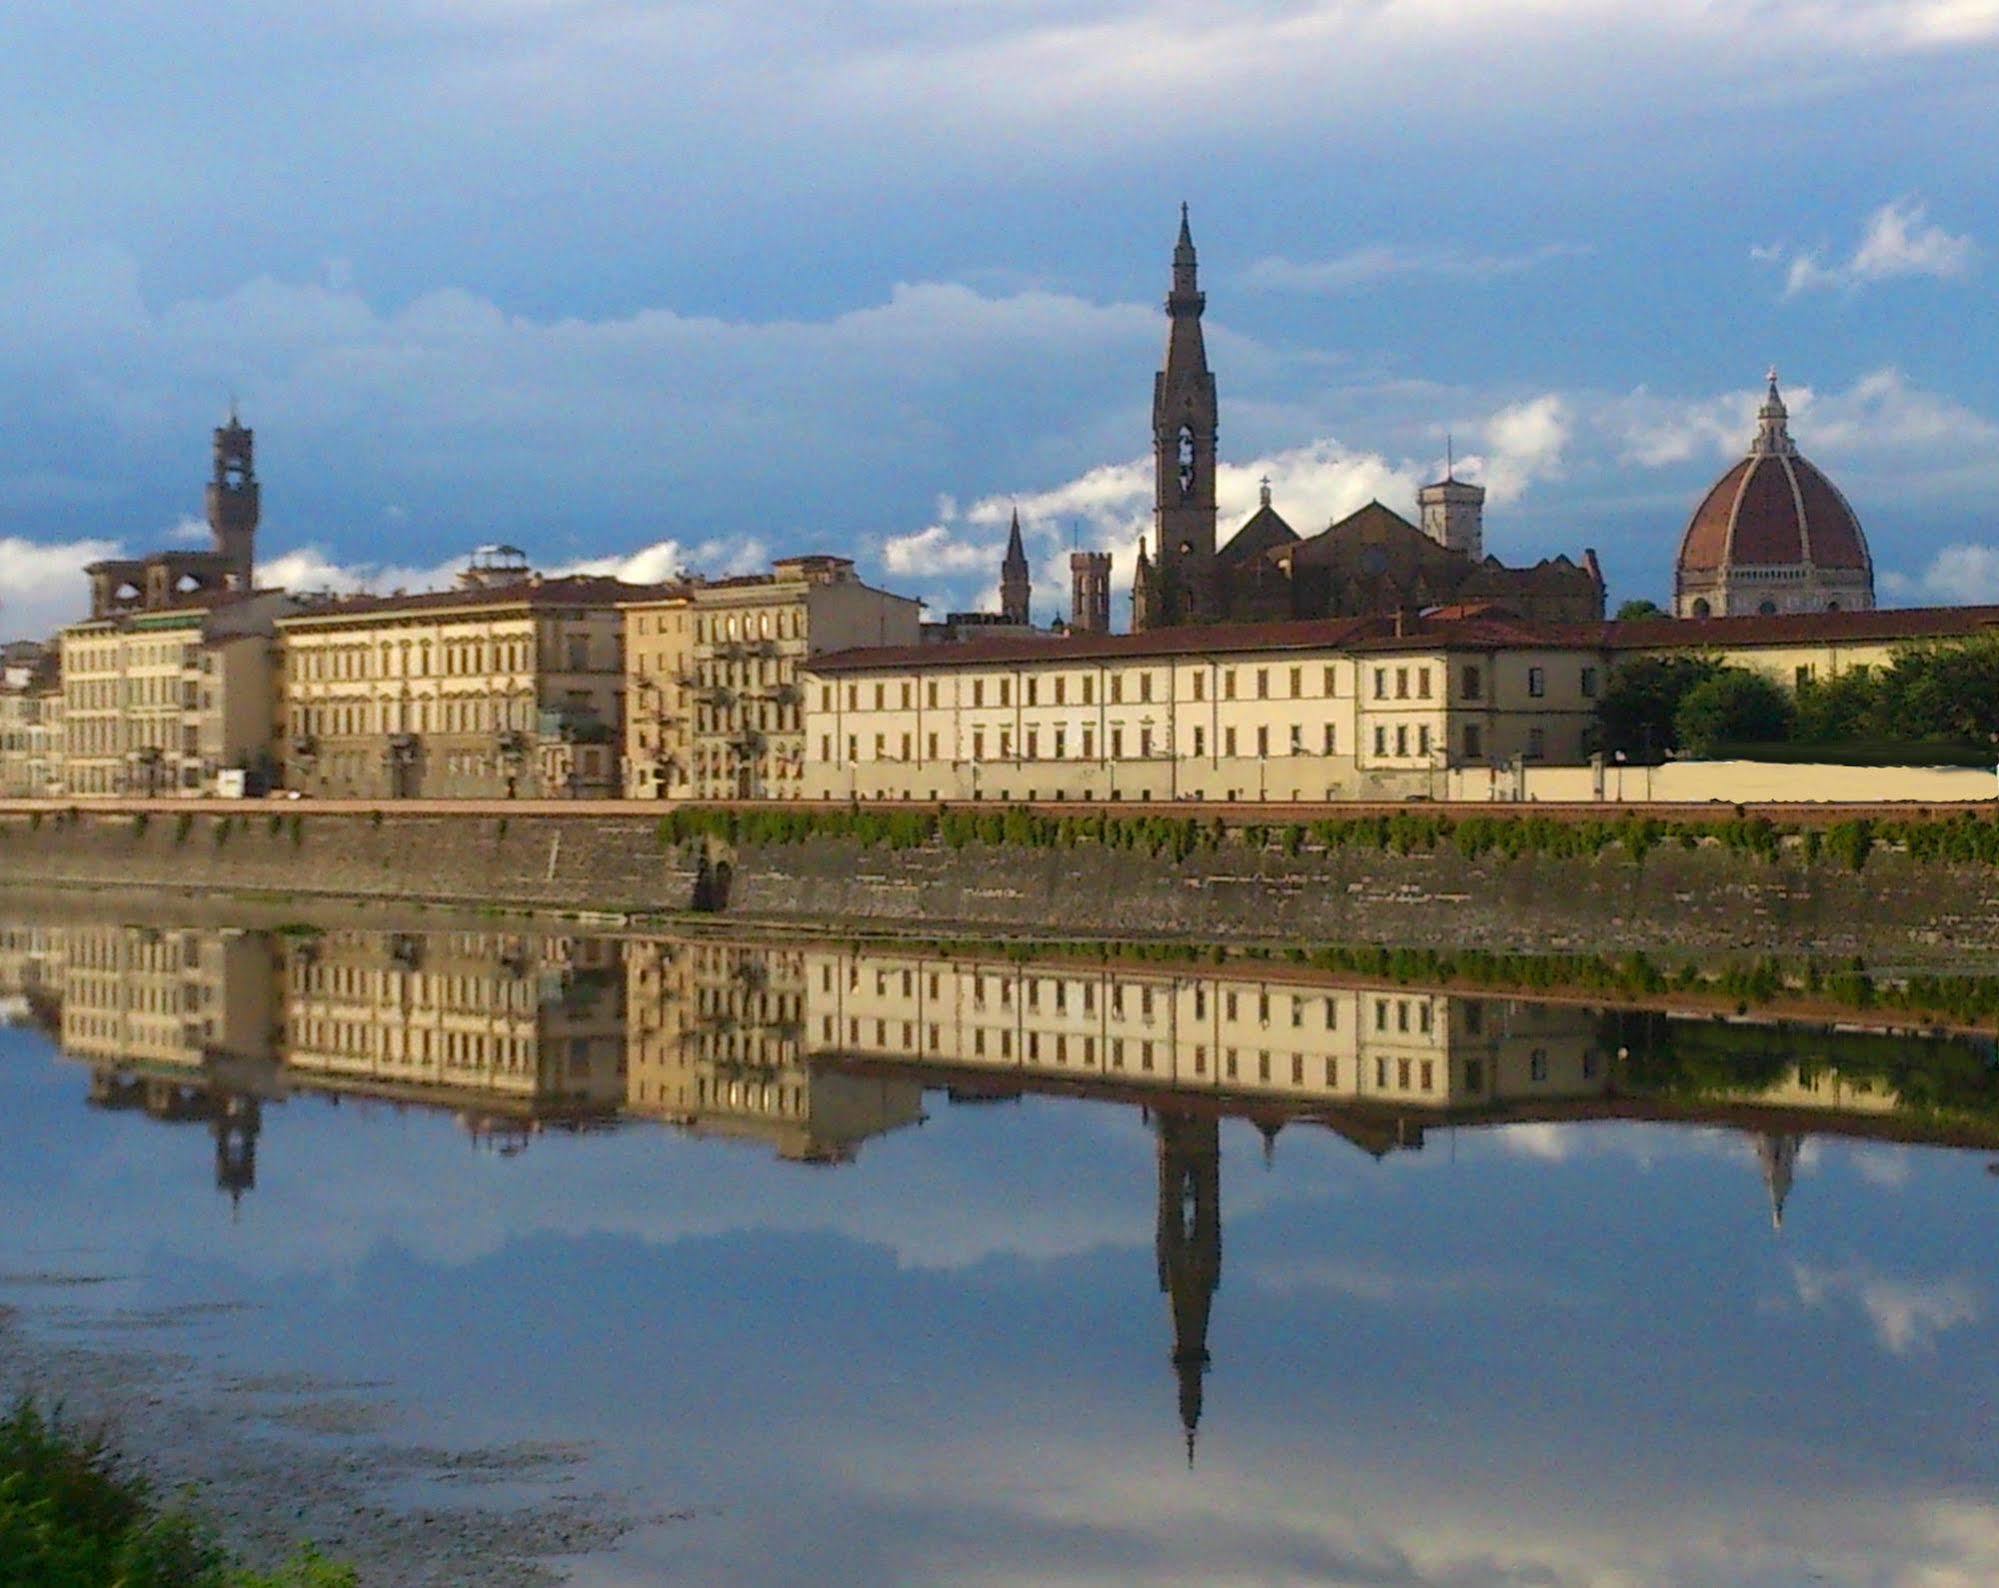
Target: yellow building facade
[[1340, 710], [159, 702], [713, 675], [493, 690]]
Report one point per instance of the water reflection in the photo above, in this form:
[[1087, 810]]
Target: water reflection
[[982, 1323], [813, 1049]]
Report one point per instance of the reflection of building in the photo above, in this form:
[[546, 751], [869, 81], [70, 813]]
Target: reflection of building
[[715, 1048], [179, 997], [712, 675], [1189, 1246], [510, 1030], [511, 684], [1296, 1043], [234, 1119]]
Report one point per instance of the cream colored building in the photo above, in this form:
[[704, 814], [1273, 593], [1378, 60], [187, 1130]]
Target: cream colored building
[[31, 743], [136, 995], [1341, 709], [490, 1022], [512, 685], [717, 1037], [158, 701], [713, 675], [1250, 1037], [1798, 648]]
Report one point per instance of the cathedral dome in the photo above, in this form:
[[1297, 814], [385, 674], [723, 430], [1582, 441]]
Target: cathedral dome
[[1773, 535]]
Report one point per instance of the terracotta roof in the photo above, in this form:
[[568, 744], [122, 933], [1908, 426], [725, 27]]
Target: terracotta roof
[[1190, 640], [1451, 628], [579, 590], [1892, 623], [1773, 509]]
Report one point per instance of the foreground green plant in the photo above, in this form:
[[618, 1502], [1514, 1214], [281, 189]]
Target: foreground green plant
[[74, 1513]]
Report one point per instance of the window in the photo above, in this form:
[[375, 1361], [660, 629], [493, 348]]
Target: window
[[1228, 683], [1423, 683], [1061, 693], [1144, 686], [1327, 691], [1423, 739], [1061, 749], [1401, 683], [1381, 683], [1089, 688], [905, 696], [930, 694], [1033, 691], [978, 691], [1402, 738], [1537, 682], [1537, 1065], [1262, 743], [1589, 683], [1200, 741], [1263, 683], [1297, 738], [931, 747], [1537, 744], [881, 695], [1117, 688], [1228, 741], [1802, 676], [1380, 740], [1473, 683], [1006, 691], [1329, 738], [1200, 686], [1474, 742]]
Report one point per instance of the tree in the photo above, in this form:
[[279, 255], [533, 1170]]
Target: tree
[[1732, 707], [1841, 710], [1944, 691], [1632, 611], [1637, 715]]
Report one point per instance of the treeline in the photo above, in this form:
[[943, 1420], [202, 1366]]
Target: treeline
[[1964, 839], [1933, 704]]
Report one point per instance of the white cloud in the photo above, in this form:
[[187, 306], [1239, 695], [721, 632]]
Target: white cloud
[[1362, 267], [1961, 574], [42, 585], [1900, 241], [1906, 1314]]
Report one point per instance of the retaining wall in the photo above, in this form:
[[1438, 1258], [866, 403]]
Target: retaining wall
[[1708, 898]]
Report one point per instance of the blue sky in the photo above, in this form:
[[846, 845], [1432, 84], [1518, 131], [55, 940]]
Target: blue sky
[[645, 284]]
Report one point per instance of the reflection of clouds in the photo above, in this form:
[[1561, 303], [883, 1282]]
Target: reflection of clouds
[[1907, 1314], [1883, 1167], [1552, 1143], [1373, 1283]]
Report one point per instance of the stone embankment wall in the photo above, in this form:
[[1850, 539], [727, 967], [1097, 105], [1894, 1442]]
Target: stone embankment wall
[[1705, 898]]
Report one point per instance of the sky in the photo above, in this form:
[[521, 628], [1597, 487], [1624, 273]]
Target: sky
[[646, 285]]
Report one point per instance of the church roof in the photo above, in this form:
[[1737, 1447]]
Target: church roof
[[1262, 533], [1773, 509]]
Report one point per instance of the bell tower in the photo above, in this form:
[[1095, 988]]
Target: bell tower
[[1189, 1247], [1183, 450], [233, 505]]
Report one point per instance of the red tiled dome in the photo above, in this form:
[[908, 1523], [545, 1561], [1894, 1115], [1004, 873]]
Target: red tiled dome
[[1773, 510]]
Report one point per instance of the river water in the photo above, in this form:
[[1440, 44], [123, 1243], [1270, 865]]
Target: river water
[[808, 1262]]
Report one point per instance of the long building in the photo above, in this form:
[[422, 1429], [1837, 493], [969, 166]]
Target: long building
[[510, 685]]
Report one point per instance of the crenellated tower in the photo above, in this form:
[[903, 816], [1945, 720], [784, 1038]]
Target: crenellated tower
[[233, 500]]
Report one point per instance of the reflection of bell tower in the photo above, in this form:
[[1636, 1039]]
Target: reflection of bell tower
[[236, 1123], [1183, 448], [1190, 1247], [233, 500], [1779, 1157]]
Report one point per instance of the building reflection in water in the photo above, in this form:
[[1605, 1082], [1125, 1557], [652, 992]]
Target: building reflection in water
[[811, 1050]]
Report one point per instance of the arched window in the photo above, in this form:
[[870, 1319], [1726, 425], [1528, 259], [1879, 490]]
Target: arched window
[[1186, 460], [1702, 609], [1767, 609]]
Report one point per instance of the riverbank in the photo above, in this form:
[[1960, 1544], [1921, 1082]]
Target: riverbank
[[280, 1459], [1907, 885]]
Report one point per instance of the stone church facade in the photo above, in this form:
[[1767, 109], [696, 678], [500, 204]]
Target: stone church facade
[[1371, 562]]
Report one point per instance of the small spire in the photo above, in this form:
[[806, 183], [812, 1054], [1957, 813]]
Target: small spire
[[1263, 489], [1773, 430]]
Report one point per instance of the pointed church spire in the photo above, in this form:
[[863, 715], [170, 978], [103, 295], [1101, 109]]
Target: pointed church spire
[[1015, 586], [1779, 1157], [1189, 1248]]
